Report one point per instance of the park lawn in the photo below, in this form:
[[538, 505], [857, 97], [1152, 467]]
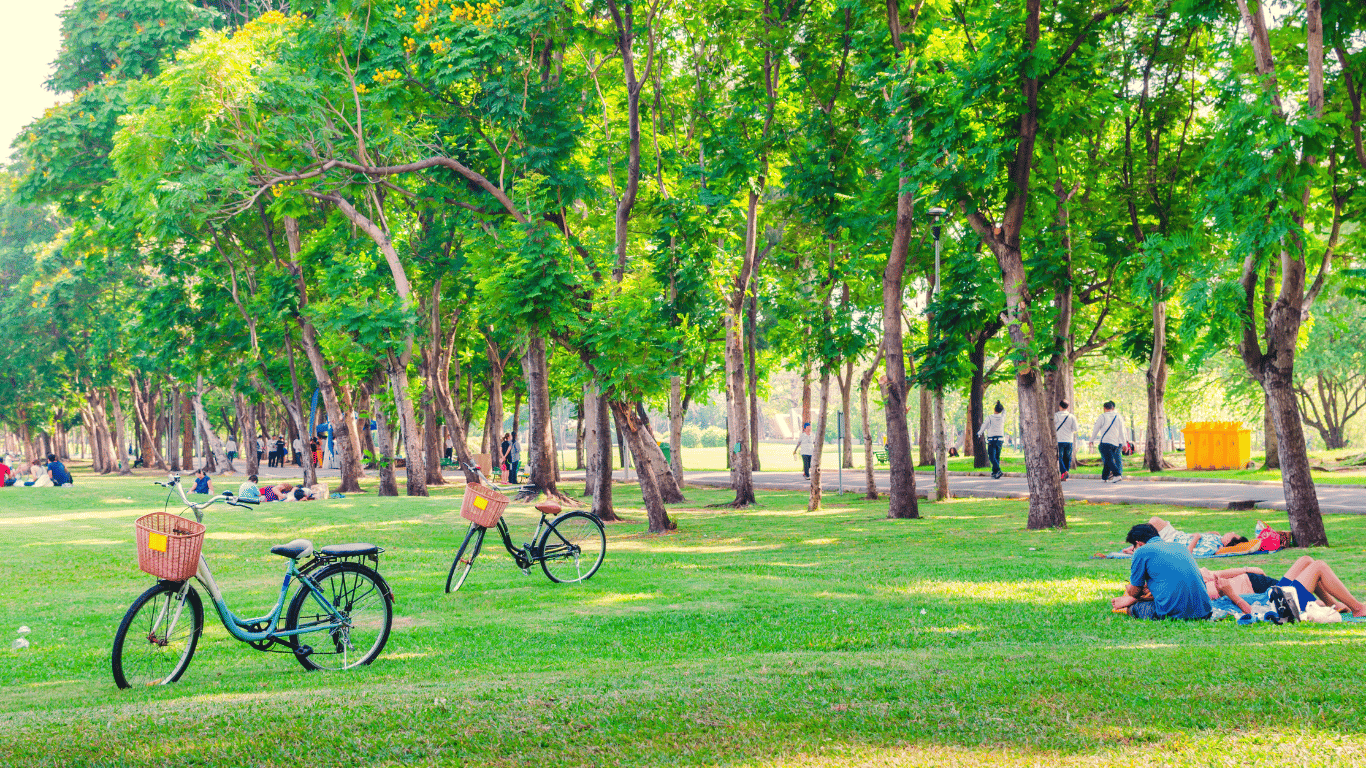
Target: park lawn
[[766, 637]]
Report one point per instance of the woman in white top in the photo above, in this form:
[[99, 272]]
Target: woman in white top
[[994, 430]]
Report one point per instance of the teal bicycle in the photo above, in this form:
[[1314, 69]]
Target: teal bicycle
[[340, 599]]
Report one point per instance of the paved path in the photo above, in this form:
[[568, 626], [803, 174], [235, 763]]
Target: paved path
[[1212, 494]]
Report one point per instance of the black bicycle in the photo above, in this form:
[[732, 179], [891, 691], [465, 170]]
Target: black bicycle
[[570, 546]]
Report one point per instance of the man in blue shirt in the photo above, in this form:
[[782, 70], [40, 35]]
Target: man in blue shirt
[[57, 471], [1164, 581]]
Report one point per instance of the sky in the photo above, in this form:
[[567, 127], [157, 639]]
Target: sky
[[32, 37]]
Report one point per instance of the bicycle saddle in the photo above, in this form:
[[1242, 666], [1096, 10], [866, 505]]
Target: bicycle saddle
[[349, 550], [294, 549], [548, 508]]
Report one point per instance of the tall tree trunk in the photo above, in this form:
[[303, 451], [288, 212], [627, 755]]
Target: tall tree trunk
[[903, 502], [847, 437], [751, 331], [144, 413], [173, 429], [187, 431], [636, 435], [977, 391], [741, 469], [540, 447], [814, 499], [388, 479], [433, 439], [925, 435], [676, 414], [652, 461], [868, 461], [1156, 380], [579, 435], [246, 442], [125, 466], [591, 427], [414, 470], [806, 396], [215, 443], [493, 431]]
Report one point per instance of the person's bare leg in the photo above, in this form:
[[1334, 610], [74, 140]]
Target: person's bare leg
[[1157, 522], [1298, 566], [1320, 579]]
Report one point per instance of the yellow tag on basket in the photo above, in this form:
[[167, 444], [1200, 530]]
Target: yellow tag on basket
[[480, 502], [156, 541]]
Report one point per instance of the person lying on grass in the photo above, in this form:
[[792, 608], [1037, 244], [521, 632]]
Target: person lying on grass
[[276, 492], [1306, 580], [1198, 544], [1165, 573]]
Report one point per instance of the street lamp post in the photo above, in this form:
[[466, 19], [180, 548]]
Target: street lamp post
[[941, 457]]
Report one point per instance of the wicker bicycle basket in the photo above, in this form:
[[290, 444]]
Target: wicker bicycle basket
[[169, 545], [483, 505]]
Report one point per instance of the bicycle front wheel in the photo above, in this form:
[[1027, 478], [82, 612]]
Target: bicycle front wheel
[[572, 547], [157, 637], [356, 633], [464, 558]]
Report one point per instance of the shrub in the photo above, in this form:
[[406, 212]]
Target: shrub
[[713, 437], [691, 437]]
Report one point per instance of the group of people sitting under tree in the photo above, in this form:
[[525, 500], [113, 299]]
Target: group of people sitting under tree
[[52, 473], [1166, 583]]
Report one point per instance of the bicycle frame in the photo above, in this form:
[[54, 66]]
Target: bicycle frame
[[524, 556], [242, 628]]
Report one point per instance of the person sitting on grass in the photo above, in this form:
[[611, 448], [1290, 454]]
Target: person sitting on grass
[[1198, 544], [1307, 579], [6, 475], [1166, 572], [248, 490], [202, 482], [41, 477], [57, 471]]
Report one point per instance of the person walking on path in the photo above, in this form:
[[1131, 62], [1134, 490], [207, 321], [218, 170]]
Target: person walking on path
[[994, 430], [511, 456], [260, 448], [298, 452], [1110, 432], [1065, 425], [805, 446]]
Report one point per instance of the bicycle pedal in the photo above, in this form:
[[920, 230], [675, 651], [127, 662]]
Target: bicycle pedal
[[526, 571], [303, 651]]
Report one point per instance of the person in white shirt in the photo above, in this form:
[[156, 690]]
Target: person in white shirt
[[230, 448], [298, 452], [1065, 426], [994, 430], [1109, 431], [806, 446]]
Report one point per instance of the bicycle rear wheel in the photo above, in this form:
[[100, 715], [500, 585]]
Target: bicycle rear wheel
[[157, 637], [464, 558], [572, 547], [359, 595]]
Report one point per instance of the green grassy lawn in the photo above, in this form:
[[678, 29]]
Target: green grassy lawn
[[765, 637]]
